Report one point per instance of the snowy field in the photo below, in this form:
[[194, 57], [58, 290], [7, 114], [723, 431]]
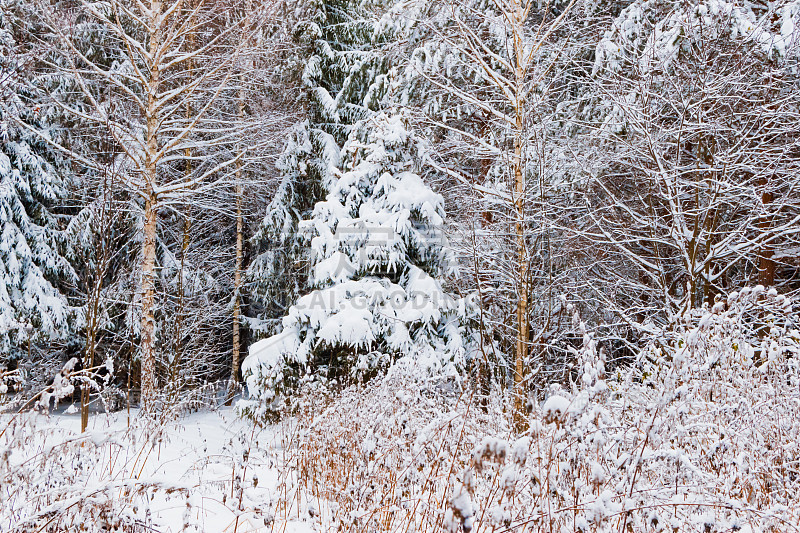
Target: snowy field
[[203, 471], [705, 451]]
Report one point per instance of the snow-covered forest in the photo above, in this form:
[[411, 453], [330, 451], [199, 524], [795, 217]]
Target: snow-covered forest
[[400, 266]]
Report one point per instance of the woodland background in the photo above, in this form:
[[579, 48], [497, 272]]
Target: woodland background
[[169, 167], [499, 265]]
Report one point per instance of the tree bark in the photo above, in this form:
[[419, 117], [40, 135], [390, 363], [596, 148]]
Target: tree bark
[[148, 304], [766, 264], [519, 206], [148, 385], [92, 309], [237, 275], [237, 283]]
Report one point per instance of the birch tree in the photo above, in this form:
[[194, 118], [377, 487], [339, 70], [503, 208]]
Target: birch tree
[[500, 56], [142, 102]]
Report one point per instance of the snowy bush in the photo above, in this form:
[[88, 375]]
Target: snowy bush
[[701, 435]]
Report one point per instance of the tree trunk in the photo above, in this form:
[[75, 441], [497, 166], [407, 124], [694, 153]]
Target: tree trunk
[[88, 358], [237, 275], [84, 406], [148, 304], [522, 302], [150, 215], [519, 230], [766, 264], [237, 283]]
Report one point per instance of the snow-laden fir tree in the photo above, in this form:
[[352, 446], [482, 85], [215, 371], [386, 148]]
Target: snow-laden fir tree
[[343, 72], [33, 178], [379, 258], [275, 276], [340, 73]]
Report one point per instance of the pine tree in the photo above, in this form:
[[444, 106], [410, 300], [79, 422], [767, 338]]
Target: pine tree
[[341, 76], [33, 178], [378, 259], [377, 254], [275, 276]]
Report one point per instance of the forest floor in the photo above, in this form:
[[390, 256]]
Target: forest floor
[[709, 441], [207, 470]]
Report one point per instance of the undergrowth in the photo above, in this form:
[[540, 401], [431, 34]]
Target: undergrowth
[[702, 434]]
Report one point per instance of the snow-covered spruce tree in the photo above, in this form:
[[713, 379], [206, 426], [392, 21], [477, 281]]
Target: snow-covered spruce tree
[[378, 260], [33, 177], [338, 69], [275, 277]]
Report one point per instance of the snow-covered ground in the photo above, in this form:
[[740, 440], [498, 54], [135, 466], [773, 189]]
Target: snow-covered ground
[[701, 434], [203, 471]]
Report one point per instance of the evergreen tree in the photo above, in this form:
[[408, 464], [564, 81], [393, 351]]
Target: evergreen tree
[[33, 178], [378, 259], [376, 251], [276, 277], [340, 73]]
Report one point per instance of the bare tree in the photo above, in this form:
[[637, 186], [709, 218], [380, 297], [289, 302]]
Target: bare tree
[[156, 109], [700, 156], [510, 84]]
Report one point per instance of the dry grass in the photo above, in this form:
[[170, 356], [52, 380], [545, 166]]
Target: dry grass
[[704, 435]]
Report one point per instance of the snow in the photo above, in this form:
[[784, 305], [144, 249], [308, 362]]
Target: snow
[[556, 407], [189, 466], [334, 269], [683, 445], [490, 449], [657, 45], [327, 103], [28, 251], [349, 327], [459, 517], [266, 356], [697, 416], [519, 451]]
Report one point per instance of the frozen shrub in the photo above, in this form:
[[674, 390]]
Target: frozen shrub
[[702, 434]]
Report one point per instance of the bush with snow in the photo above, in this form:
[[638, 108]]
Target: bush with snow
[[702, 434]]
